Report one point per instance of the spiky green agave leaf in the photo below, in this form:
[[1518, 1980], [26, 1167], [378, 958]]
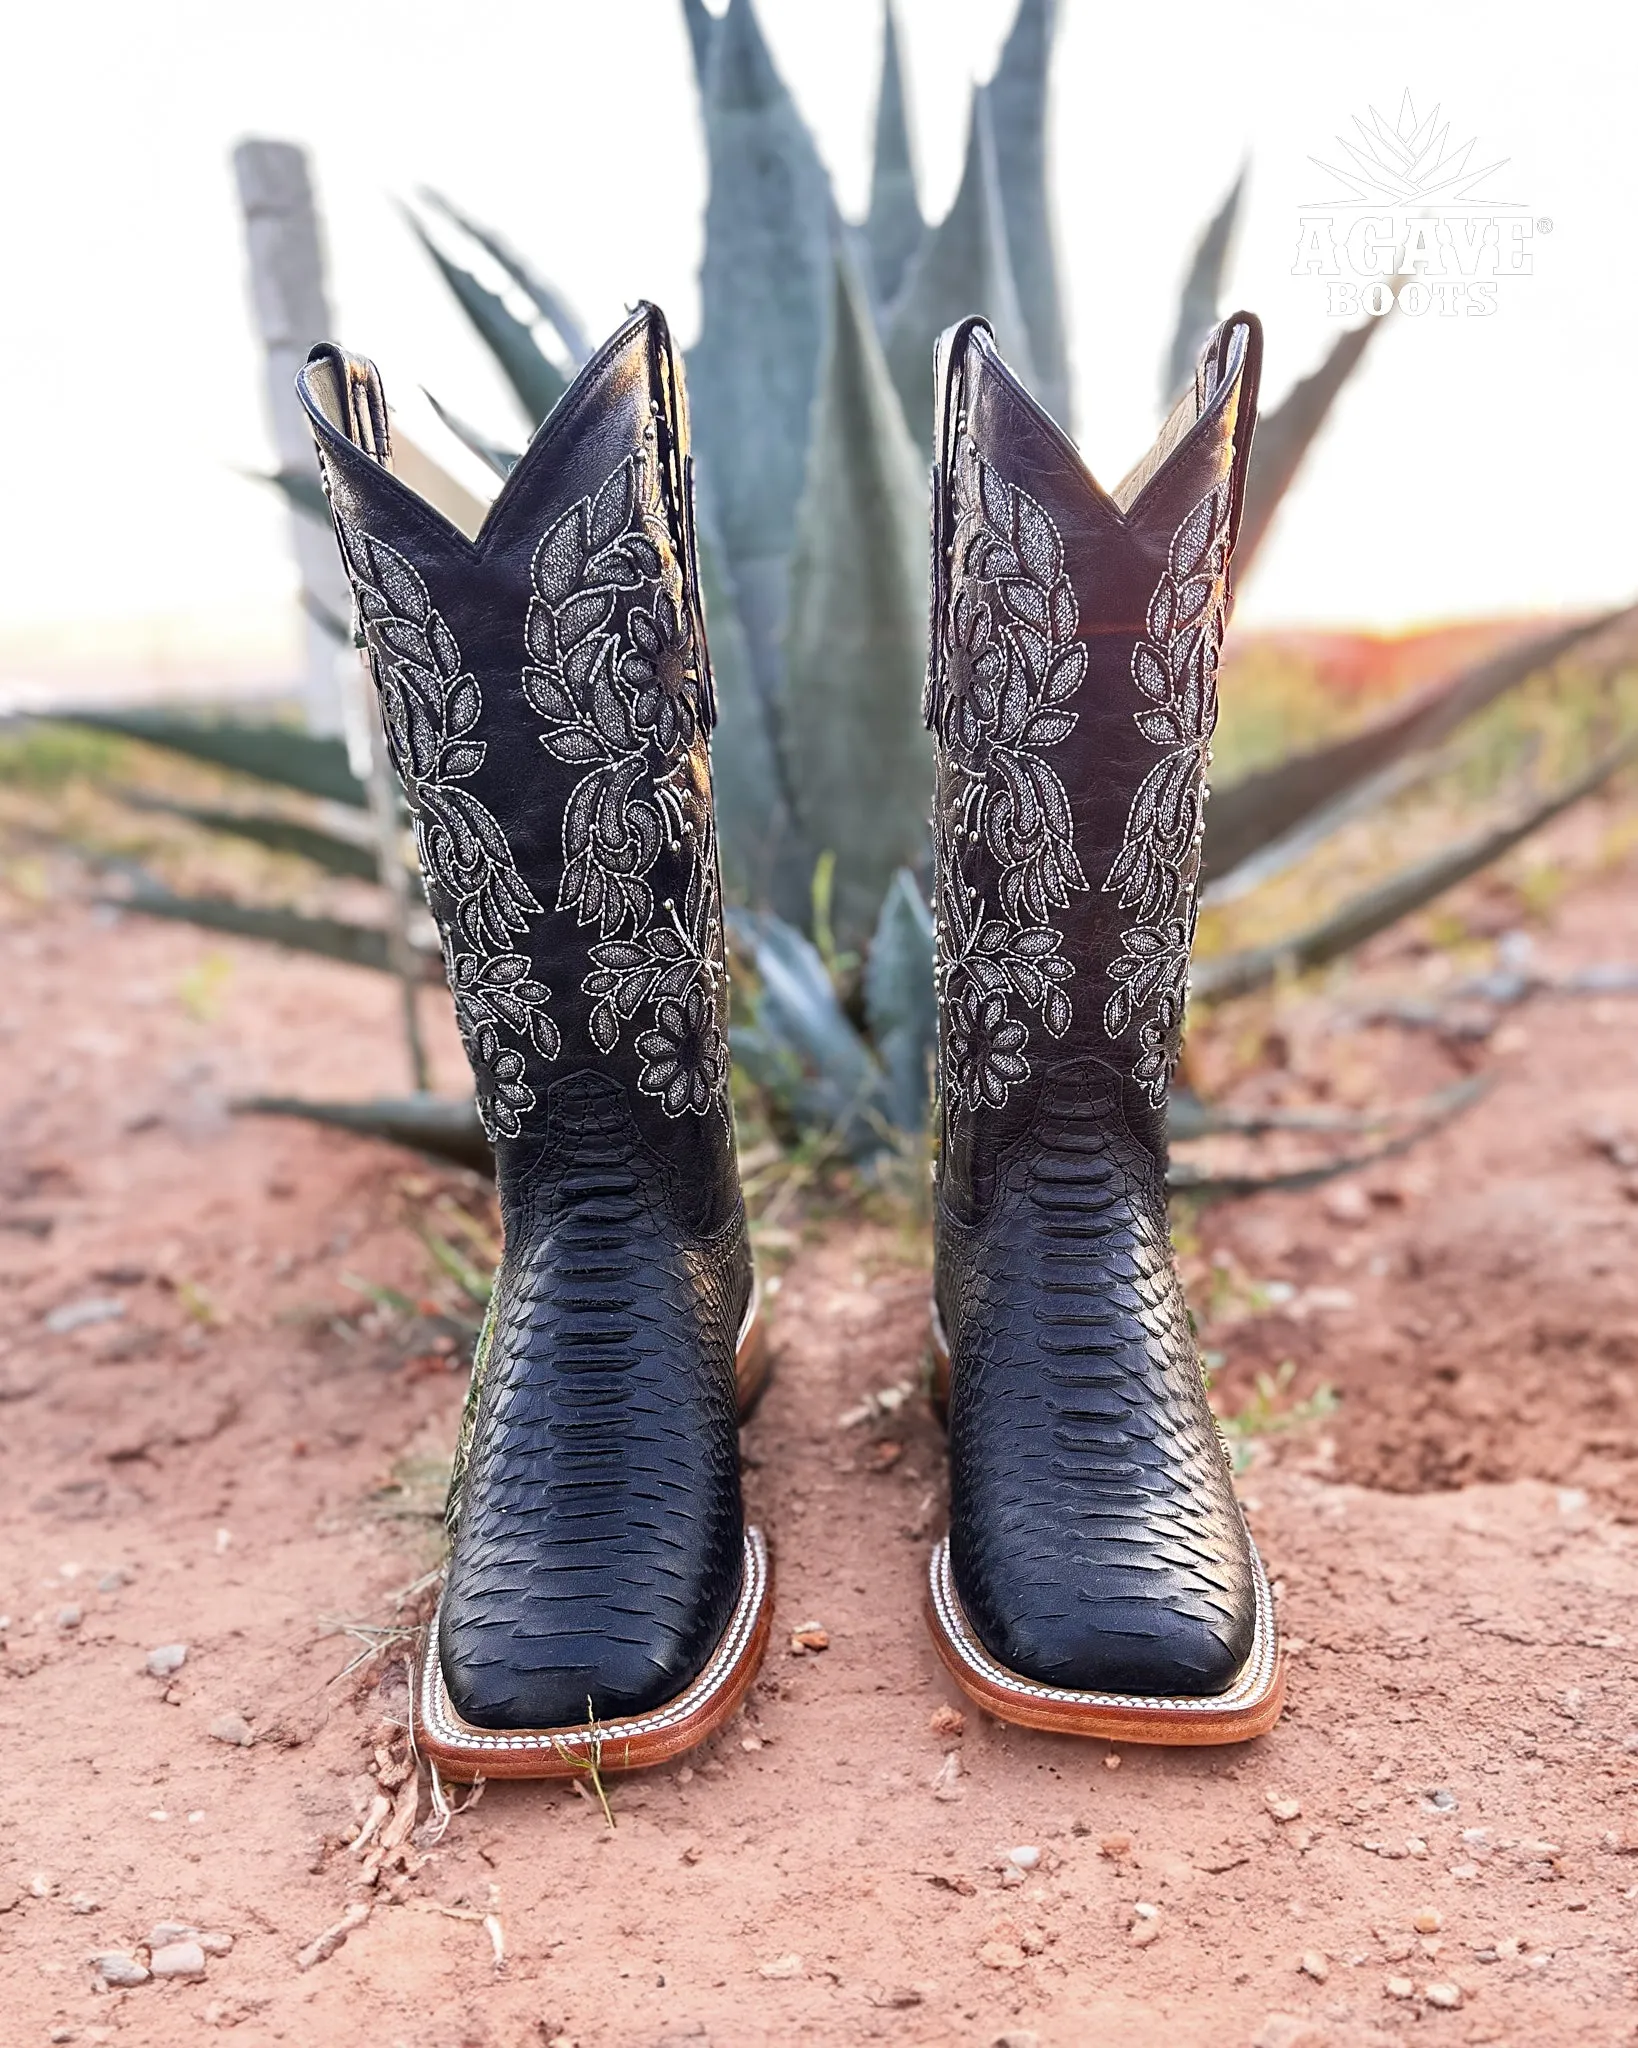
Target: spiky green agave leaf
[[802, 1048], [858, 760], [764, 288], [1432, 1114], [436, 1125], [547, 300], [305, 493], [753, 818], [497, 460], [327, 850], [312, 763], [1019, 113], [893, 227], [963, 266], [533, 376], [1247, 817], [702, 30], [1285, 435], [356, 945], [1375, 909], [899, 1000], [1202, 295]]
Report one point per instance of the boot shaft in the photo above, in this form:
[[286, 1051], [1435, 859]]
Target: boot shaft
[[1072, 695], [547, 698]]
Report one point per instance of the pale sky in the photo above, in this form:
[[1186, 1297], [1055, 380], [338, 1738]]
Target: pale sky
[[1476, 467]]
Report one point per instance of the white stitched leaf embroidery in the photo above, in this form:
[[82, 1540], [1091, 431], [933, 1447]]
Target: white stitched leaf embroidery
[[614, 672], [430, 707], [1156, 873], [1011, 666]]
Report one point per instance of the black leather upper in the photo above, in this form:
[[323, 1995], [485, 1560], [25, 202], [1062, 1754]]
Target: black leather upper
[[1095, 1539], [547, 700]]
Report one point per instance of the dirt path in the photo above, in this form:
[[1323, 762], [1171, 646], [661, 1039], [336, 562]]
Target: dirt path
[[229, 1450]]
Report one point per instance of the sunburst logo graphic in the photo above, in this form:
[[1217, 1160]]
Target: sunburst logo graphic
[[1409, 162]]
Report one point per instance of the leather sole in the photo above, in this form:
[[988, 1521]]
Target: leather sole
[[464, 1753], [1248, 1708]]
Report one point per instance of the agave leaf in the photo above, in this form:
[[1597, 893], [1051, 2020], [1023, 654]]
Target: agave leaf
[[327, 850], [963, 266], [899, 1000], [314, 764], [538, 382], [702, 30], [753, 821], [1305, 790], [501, 461], [1375, 909], [1018, 100], [1432, 1114], [357, 945], [857, 757], [1285, 435], [548, 301], [436, 1125], [764, 288], [1202, 295], [332, 627], [302, 492], [802, 1047], [893, 227]]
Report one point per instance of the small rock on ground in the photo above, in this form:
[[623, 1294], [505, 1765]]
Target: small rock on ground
[[168, 1657], [178, 1959]]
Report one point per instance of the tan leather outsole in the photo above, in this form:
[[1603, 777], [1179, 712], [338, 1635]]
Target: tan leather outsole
[[1249, 1708], [464, 1753]]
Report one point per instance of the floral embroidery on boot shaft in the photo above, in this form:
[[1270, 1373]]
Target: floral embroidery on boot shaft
[[1011, 665], [1157, 871], [430, 706], [615, 673]]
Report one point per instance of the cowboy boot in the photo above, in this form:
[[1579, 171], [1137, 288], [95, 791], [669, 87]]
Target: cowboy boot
[[1098, 1577], [547, 700]]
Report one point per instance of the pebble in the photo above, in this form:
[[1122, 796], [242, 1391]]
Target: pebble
[[782, 1966], [233, 1728], [1017, 2037], [948, 1721], [120, 1970], [1400, 1987], [168, 1657], [178, 1959], [1024, 1858], [1111, 1762], [1282, 1809], [70, 1617], [1115, 1847], [79, 1315], [82, 1902], [1145, 1932], [1443, 1799], [1428, 1921], [1447, 1997], [165, 1932], [111, 1582], [1314, 1965]]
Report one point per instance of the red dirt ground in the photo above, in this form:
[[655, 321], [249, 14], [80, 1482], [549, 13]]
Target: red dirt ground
[[237, 1461]]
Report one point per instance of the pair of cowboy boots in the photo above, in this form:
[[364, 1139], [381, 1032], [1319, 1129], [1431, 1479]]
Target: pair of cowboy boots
[[547, 698]]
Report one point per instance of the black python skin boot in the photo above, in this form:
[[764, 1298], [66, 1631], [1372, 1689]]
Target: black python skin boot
[[1098, 1577], [547, 700]]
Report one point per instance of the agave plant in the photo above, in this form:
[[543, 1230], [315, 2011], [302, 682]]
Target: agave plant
[[811, 396]]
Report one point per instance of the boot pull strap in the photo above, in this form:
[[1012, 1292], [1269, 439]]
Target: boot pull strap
[[677, 477], [1241, 334], [949, 402], [352, 399]]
